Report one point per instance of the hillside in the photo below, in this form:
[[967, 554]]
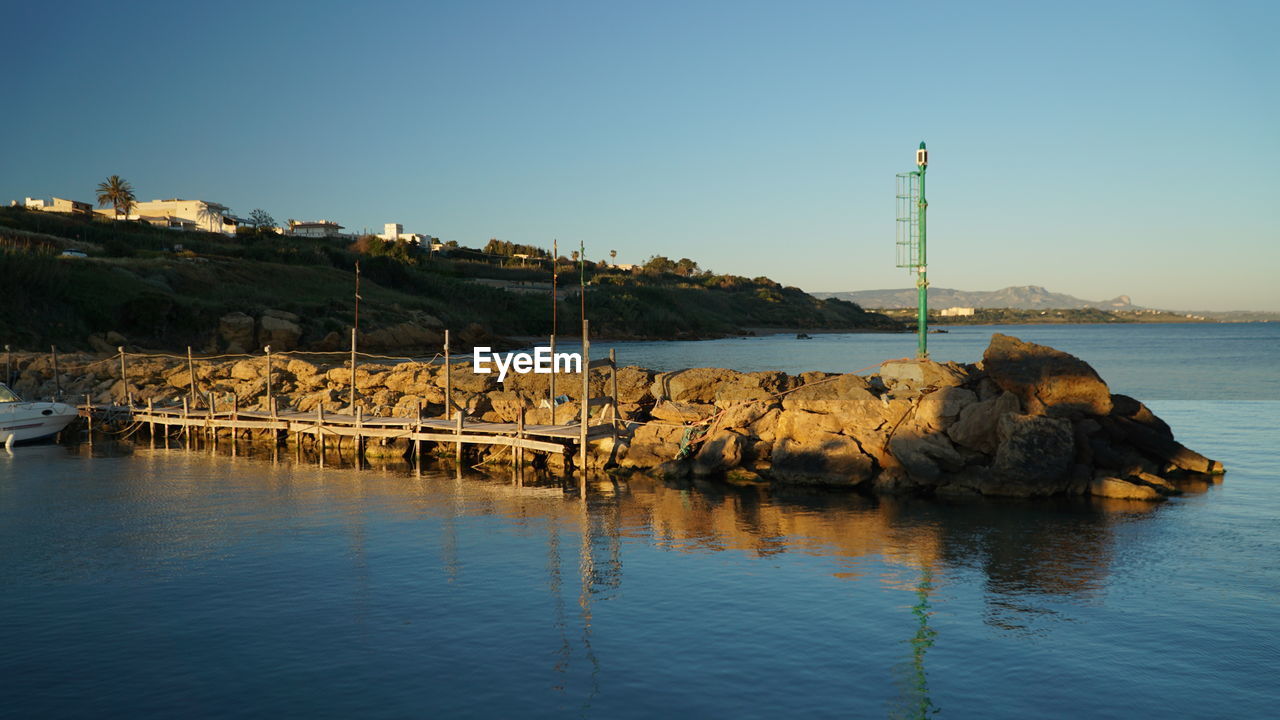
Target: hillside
[[167, 289], [1027, 297]]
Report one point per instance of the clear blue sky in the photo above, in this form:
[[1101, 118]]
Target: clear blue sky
[[1093, 148]]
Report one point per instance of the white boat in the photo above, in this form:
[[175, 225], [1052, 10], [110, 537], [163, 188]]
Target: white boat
[[22, 421]]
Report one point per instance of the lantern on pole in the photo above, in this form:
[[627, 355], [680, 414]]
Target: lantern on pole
[[912, 210]]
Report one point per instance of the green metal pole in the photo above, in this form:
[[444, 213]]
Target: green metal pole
[[922, 275]]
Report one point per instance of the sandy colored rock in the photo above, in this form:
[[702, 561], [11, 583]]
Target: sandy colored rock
[[1112, 487], [403, 337], [1044, 379], [681, 412], [251, 369], [801, 425], [743, 415], [652, 445], [693, 385], [939, 409], [975, 426], [279, 332], [925, 457], [719, 453], [821, 458], [236, 331], [905, 375]]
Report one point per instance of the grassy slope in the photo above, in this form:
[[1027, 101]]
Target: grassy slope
[[134, 285]]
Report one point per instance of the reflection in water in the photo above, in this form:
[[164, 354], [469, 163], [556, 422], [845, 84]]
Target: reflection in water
[[915, 702], [1027, 554]]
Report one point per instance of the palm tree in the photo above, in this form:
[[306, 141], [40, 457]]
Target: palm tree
[[613, 257], [118, 193], [212, 213]]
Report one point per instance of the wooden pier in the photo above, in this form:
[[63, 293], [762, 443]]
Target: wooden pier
[[322, 426], [455, 429]]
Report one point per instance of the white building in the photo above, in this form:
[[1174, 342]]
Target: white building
[[179, 214], [315, 228], [61, 205], [956, 312], [395, 231]]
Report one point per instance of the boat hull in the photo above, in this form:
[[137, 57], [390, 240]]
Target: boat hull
[[30, 421]]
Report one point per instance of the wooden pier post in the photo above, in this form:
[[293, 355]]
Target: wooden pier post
[[186, 421], [359, 427], [552, 380], [124, 379], [151, 421], [88, 413], [275, 429], [352, 410], [8, 365], [586, 393], [320, 430], [191, 375], [417, 428], [458, 445], [270, 402], [448, 379], [235, 430], [209, 428], [518, 452], [613, 389], [57, 377]]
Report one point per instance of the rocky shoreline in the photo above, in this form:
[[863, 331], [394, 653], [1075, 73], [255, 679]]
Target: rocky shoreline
[[1025, 421]]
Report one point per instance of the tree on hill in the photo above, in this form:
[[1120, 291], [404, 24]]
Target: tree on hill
[[118, 193], [659, 264], [261, 219]]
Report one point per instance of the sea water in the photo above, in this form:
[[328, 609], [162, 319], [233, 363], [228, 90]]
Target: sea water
[[175, 583]]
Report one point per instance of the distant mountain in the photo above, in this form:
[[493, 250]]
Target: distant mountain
[[1026, 297]]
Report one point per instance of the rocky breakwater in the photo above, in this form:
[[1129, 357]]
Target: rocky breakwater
[[1026, 421]]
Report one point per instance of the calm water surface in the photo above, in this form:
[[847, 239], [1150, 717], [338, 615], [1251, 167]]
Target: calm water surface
[[175, 583]]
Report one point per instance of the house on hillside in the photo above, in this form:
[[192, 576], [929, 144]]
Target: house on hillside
[[956, 312], [315, 229], [169, 222], [59, 205], [392, 232], [179, 214]]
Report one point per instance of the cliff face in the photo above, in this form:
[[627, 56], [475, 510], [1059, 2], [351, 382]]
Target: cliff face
[[1027, 420]]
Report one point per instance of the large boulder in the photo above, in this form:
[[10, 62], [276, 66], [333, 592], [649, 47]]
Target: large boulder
[[743, 414], [693, 385], [1035, 456], [1113, 487], [846, 398], [279, 332], [633, 385], [651, 445], [802, 425], [926, 456], [402, 337], [1047, 381], [975, 426], [1160, 445], [908, 375], [718, 453], [942, 407], [236, 331], [821, 459]]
